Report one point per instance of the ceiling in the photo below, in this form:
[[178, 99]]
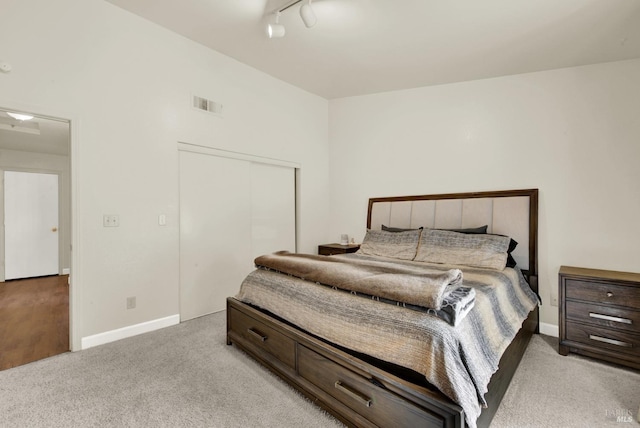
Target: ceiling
[[366, 46]]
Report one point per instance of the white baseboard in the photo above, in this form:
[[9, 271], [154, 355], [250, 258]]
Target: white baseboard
[[129, 331], [66, 271], [549, 329]]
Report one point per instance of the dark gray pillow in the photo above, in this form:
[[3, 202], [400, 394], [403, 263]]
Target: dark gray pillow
[[471, 230], [396, 229], [478, 230]]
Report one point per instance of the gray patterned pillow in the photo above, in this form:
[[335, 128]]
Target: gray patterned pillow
[[443, 246], [399, 245]]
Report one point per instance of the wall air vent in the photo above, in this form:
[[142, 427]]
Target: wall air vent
[[209, 106]]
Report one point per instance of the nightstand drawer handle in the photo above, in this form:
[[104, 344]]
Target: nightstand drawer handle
[[609, 294], [352, 393], [610, 341], [260, 336], [610, 318]]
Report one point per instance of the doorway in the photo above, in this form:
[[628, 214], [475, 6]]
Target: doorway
[[34, 321], [35, 242]]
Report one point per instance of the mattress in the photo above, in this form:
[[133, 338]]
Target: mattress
[[458, 360]]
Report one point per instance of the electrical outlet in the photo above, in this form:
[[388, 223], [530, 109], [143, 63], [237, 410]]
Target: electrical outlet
[[110, 220], [554, 300], [131, 302]]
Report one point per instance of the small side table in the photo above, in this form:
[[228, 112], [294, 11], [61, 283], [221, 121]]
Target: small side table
[[599, 314], [331, 249]]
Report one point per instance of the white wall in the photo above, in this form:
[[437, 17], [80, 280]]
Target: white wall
[[572, 133], [126, 86]]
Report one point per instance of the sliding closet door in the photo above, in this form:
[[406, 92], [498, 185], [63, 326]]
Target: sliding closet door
[[273, 209], [231, 211], [215, 232]]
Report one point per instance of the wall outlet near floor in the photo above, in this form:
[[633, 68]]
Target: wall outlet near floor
[[131, 302]]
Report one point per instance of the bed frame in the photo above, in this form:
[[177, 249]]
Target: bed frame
[[361, 391]]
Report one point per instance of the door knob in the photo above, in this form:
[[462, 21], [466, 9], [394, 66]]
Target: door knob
[[54, 229]]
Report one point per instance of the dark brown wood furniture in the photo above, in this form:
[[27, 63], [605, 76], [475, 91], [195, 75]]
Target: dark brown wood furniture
[[600, 314], [341, 383], [331, 249], [359, 390]]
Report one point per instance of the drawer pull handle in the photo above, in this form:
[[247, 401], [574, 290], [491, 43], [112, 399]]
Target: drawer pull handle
[[352, 393], [610, 318], [260, 336], [610, 341], [609, 294]]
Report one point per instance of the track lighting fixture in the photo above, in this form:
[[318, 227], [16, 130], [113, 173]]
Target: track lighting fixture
[[306, 13], [276, 30]]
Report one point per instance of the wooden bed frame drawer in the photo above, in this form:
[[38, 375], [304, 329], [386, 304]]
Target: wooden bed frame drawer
[[362, 394], [601, 292], [604, 316], [597, 337], [263, 337]]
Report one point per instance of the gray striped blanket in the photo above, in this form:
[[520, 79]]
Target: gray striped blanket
[[458, 360]]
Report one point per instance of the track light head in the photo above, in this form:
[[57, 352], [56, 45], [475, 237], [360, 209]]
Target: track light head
[[307, 15], [275, 31]]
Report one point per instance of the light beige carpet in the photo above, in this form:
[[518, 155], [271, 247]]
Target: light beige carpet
[[186, 376], [550, 390], [180, 376]]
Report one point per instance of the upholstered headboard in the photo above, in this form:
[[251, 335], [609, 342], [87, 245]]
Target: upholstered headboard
[[509, 212]]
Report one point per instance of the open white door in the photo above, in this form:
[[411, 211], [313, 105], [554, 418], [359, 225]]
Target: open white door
[[30, 224]]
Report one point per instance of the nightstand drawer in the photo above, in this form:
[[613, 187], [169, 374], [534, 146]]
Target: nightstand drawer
[[372, 401], [597, 292], [262, 337], [604, 316], [618, 341]]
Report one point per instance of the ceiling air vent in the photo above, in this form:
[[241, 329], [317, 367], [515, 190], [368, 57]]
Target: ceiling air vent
[[207, 105]]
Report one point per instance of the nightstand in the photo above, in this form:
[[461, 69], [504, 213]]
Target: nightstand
[[600, 314], [331, 249]]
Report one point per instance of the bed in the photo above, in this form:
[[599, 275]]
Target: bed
[[336, 329]]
